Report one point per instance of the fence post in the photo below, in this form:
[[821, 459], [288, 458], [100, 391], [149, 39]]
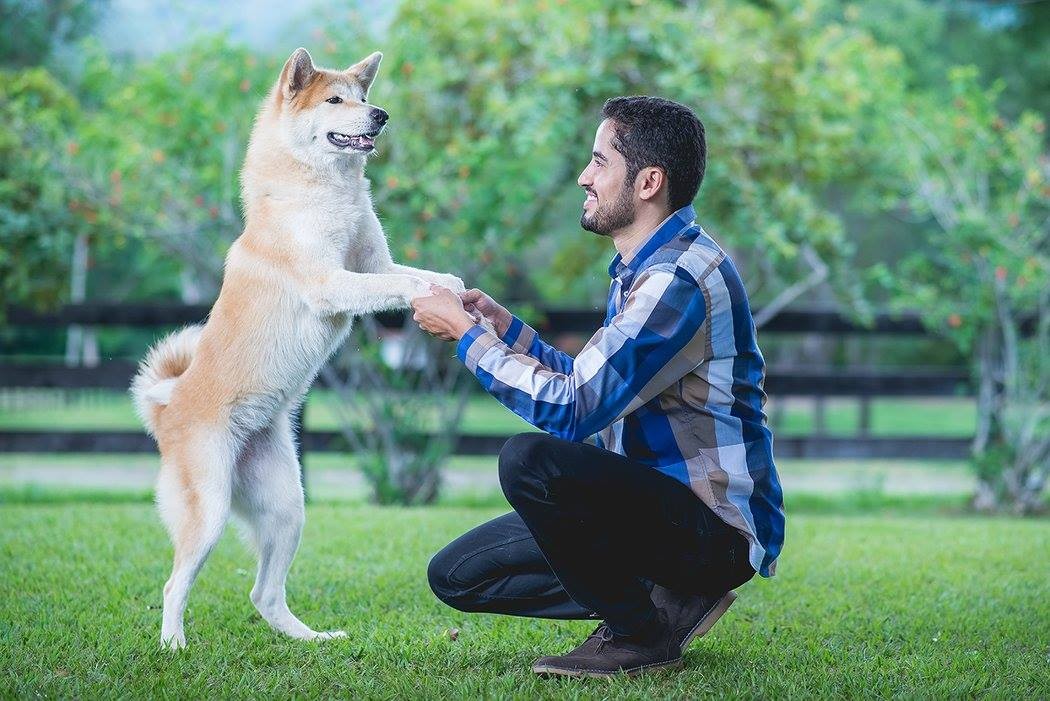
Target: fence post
[[864, 420], [819, 415]]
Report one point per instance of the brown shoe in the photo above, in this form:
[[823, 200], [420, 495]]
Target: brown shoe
[[604, 654], [690, 615]]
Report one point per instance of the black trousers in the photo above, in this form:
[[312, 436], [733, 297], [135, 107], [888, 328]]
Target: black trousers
[[590, 533]]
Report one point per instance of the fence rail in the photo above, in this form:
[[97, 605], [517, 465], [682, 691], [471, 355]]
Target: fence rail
[[781, 381], [823, 321], [822, 447]]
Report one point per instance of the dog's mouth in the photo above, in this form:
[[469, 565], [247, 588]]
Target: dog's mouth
[[360, 142]]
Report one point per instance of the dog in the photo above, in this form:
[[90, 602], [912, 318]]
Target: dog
[[218, 397]]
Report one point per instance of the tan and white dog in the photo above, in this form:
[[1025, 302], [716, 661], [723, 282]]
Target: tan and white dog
[[218, 397]]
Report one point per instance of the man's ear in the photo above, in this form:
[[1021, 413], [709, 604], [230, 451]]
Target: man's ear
[[297, 71], [364, 71], [651, 182]]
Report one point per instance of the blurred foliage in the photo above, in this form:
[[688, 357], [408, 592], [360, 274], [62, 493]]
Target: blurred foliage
[[173, 163], [492, 116], [35, 28], [41, 209], [833, 127], [509, 102], [411, 395], [1007, 41], [984, 280]]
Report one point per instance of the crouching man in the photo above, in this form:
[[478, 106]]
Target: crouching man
[[678, 502]]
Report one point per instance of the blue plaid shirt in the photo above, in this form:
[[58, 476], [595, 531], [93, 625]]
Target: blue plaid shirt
[[673, 380]]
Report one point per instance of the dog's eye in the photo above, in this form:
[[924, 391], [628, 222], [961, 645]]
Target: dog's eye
[[334, 100]]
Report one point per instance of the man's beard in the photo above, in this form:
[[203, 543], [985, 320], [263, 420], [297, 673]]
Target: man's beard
[[617, 215]]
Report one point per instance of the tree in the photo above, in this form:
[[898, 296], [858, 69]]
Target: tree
[[171, 168], [399, 397], [493, 114], [983, 277], [36, 27], [41, 211], [1003, 39]]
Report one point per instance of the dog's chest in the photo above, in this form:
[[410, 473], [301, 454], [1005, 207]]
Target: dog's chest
[[333, 226]]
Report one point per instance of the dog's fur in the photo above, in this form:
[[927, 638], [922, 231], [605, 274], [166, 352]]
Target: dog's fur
[[218, 397]]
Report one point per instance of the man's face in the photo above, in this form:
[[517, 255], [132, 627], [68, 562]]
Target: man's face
[[609, 205]]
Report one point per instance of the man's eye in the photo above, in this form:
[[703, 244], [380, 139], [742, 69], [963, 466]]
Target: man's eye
[[334, 99]]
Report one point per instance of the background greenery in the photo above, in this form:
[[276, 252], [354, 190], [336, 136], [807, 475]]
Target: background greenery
[[493, 112], [864, 155]]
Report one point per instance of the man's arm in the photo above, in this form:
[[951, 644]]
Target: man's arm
[[521, 337], [659, 337]]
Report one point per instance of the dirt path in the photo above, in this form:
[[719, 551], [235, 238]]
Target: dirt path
[[814, 477]]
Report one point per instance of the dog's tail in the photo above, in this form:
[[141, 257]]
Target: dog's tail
[[159, 371]]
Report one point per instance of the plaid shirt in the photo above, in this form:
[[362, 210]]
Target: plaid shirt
[[673, 380]]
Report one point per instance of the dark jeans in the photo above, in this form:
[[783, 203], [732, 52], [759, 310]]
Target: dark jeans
[[591, 531]]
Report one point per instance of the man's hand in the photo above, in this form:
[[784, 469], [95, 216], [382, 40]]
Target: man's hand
[[477, 302], [441, 314]]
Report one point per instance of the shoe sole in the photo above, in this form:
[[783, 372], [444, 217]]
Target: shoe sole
[[551, 671], [709, 619]]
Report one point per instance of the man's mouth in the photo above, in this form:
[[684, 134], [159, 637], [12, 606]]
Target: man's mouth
[[360, 142], [591, 198]]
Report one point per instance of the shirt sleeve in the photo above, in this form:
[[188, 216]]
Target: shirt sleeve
[[660, 335], [522, 338]]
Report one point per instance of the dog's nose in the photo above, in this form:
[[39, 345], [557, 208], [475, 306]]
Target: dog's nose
[[380, 115]]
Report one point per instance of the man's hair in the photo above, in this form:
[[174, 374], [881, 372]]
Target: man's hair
[[652, 131]]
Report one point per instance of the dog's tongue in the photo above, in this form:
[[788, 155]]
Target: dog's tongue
[[365, 141]]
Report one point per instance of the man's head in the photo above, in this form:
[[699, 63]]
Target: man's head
[[648, 152]]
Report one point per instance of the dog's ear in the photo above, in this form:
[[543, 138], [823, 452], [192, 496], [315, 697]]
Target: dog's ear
[[365, 71], [297, 72]]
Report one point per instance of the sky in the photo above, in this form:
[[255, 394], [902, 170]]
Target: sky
[[144, 28]]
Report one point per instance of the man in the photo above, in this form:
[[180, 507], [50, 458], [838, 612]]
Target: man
[[679, 502]]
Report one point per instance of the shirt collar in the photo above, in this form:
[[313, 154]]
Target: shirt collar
[[671, 227]]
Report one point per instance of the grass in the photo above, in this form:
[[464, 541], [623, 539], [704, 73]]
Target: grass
[[113, 411], [863, 606]]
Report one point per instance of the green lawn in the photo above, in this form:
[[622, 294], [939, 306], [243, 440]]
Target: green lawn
[[863, 606], [947, 417]]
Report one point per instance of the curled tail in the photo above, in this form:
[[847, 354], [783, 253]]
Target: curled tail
[[160, 369]]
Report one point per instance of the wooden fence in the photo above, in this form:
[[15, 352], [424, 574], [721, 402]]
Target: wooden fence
[[861, 383]]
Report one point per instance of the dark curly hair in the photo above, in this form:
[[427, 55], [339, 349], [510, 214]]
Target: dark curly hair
[[652, 131]]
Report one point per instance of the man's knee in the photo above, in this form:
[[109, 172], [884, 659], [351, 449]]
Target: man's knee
[[439, 575], [522, 461]]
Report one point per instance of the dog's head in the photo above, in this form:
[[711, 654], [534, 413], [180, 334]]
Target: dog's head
[[325, 114]]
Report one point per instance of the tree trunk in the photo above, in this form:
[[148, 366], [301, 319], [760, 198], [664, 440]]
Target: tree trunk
[[81, 342], [1010, 461], [989, 446]]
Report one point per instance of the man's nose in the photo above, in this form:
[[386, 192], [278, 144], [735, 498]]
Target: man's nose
[[583, 180], [379, 115]]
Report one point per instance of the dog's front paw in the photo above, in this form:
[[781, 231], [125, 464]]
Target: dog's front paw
[[419, 288], [415, 287], [451, 282]]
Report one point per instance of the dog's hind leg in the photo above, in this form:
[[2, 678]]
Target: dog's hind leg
[[268, 496], [193, 497]]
